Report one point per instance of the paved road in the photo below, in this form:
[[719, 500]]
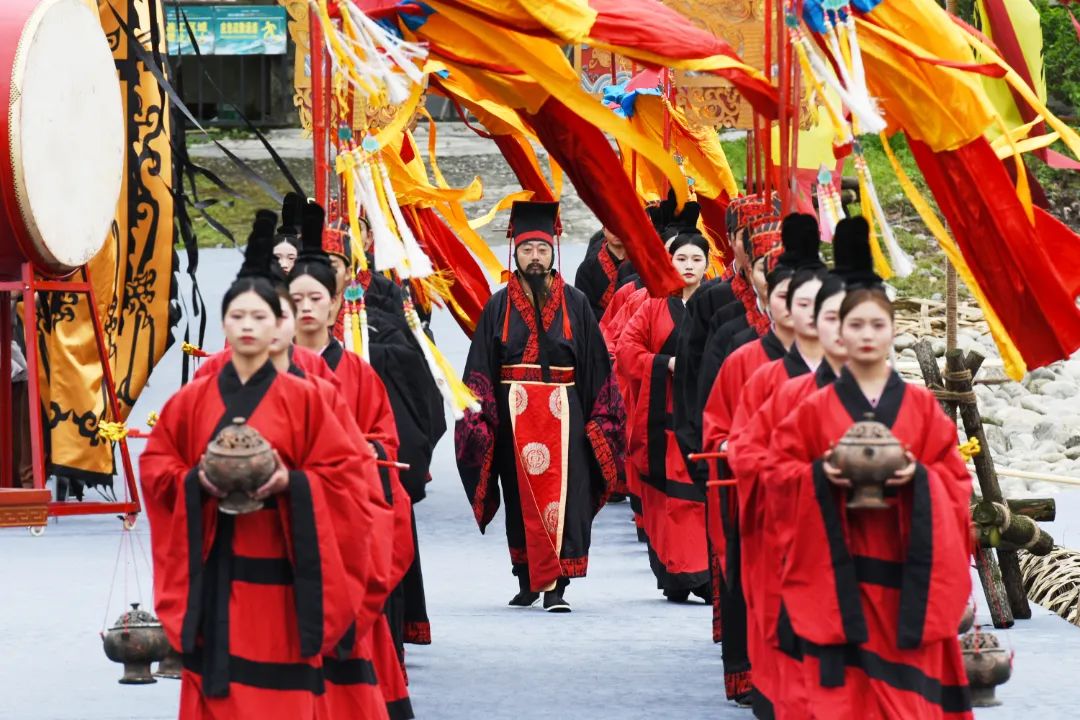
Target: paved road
[[623, 653]]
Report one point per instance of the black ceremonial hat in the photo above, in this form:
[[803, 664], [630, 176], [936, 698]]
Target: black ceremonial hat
[[851, 250], [533, 221], [260, 246]]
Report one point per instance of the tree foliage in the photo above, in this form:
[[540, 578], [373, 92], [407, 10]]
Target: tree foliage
[[1061, 55]]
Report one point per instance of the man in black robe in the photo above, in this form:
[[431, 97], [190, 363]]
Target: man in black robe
[[551, 420], [598, 275]]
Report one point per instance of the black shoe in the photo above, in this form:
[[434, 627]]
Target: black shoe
[[677, 596], [555, 603], [525, 598], [745, 700], [704, 591]]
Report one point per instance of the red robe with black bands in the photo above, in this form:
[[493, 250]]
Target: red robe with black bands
[[365, 395], [872, 598], [673, 507], [251, 601]]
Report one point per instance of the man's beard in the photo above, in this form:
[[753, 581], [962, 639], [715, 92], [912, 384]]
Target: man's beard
[[536, 276]]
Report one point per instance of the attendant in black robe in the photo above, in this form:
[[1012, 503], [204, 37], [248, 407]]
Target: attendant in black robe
[[598, 274], [551, 424]]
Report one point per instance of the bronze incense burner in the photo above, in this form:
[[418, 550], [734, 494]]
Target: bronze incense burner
[[136, 640], [987, 665], [868, 454], [238, 461]]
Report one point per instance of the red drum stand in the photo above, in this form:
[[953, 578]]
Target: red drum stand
[[32, 507]]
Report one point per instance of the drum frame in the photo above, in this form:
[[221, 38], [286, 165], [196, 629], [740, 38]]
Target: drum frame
[[28, 285]]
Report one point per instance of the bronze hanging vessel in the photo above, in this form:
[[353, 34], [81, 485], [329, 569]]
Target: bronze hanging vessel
[[238, 461], [136, 640], [987, 665]]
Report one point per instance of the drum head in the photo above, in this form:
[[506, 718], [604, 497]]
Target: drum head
[[66, 135]]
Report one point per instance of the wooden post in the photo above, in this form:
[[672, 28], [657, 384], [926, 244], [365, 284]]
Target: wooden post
[[1040, 509], [985, 562], [958, 378]]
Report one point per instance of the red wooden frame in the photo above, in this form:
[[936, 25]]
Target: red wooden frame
[[28, 285]]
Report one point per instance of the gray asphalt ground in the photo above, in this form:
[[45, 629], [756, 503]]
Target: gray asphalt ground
[[623, 653]]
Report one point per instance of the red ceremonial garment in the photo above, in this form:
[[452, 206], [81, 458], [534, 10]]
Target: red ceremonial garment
[[872, 598], [752, 528], [673, 507], [542, 457], [561, 350], [365, 395], [632, 300], [253, 601], [789, 693], [307, 360]]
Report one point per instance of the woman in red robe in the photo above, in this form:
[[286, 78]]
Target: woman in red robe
[[803, 358], [723, 528], [313, 285], [617, 319], [673, 508], [253, 601], [872, 598]]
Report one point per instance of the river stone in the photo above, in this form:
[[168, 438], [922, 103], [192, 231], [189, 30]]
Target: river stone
[[1061, 389], [904, 341], [1039, 374], [999, 443], [1053, 432], [938, 345], [1019, 418], [1035, 403], [1073, 453]]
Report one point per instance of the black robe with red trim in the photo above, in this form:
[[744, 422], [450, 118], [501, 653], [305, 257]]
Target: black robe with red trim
[[673, 507], [484, 440], [872, 598], [598, 278], [254, 601]]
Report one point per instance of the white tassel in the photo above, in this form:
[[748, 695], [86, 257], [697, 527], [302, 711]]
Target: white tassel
[[389, 253], [857, 71], [419, 264], [441, 381], [869, 119], [401, 54], [902, 264]]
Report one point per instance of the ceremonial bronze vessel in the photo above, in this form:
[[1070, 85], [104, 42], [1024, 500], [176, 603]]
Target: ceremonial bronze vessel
[[170, 666], [987, 665], [238, 461], [136, 640], [868, 454]]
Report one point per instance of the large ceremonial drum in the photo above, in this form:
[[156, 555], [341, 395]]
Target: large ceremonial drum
[[61, 137]]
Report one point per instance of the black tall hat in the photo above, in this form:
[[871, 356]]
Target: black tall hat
[[851, 250], [292, 213], [311, 233], [533, 221], [259, 254], [663, 213], [801, 240]]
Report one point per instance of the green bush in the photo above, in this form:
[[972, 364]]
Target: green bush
[[1061, 55]]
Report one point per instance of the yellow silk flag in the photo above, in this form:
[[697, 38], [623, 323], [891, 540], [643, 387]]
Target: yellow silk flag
[[1027, 28], [132, 278]]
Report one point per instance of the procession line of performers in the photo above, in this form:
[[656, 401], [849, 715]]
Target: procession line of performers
[[300, 609], [822, 611]]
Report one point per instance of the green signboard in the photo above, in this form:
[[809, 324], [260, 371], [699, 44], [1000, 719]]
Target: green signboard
[[228, 30]]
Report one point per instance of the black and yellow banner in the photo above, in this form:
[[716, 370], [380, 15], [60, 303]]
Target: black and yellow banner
[[133, 275]]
